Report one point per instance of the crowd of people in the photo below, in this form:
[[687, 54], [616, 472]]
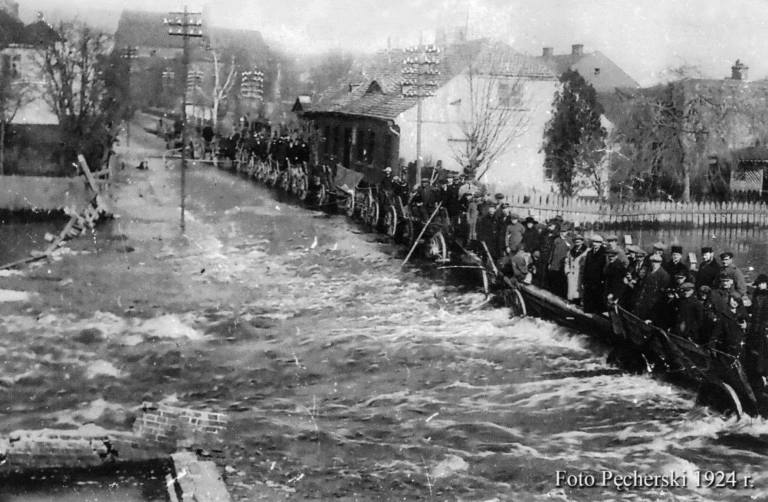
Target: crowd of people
[[708, 304]]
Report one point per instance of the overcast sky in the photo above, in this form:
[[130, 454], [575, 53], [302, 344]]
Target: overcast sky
[[644, 37]]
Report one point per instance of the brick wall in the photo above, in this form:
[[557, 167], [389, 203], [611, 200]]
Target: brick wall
[[179, 426]]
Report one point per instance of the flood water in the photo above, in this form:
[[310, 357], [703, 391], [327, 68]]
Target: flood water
[[347, 377]]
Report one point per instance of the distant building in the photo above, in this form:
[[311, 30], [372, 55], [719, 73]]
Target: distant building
[[369, 121], [595, 67]]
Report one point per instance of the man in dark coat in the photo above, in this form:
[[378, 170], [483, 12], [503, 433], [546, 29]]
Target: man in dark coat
[[593, 276], [556, 279], [486, 230], [739, 283], [729, 332], [757, 337], [612, 242], [653, 289], [675, 264], [615, 275], [709, 270], [720, 296], [513, 234], [531, 234], [690, 315]]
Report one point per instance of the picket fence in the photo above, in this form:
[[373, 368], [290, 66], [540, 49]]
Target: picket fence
[[693, 214]]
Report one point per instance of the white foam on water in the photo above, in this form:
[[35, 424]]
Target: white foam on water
[[9, 295], [171, 326]]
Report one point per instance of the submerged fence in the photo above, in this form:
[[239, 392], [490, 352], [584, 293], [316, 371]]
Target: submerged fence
[[594, 213]]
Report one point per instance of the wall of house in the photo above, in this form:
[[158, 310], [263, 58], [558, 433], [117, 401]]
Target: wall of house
[[34, 150], [521, 164], [25, 64], [363, 144]]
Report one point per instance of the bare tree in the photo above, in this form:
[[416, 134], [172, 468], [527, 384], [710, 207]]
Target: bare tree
[[497, 113], [73, 68], [221, 89], [15, 93]]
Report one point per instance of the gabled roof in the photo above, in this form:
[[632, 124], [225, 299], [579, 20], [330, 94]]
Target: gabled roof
[[596, 68], [40, 33], [382, 74], [302, 104], [144, 29]]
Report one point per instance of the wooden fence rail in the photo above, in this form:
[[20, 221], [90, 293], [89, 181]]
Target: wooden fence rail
[[691, 214]]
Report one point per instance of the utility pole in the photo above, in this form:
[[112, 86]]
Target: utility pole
[[129, 53], [420, 81], [184, 24]]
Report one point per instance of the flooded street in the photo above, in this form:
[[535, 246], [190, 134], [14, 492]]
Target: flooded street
[[344, 377]]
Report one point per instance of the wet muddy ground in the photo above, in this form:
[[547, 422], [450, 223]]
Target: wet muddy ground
[[344, 376]]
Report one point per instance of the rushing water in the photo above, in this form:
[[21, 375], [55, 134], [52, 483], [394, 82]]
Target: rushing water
[[348, 377]]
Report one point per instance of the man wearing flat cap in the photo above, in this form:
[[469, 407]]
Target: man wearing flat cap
[[573, 266], [708, 270], [615, 272], [739, 283], [690, 314], [593, 276], [513, 232], [653, 289], [675, 264], [557, 282], [719, 296], [612, 242]]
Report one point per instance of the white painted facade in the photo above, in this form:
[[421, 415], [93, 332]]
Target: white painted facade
[[26, 63], [520, 166]]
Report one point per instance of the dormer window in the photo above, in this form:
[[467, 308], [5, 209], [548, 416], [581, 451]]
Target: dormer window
[[597, 71], [374, 88]]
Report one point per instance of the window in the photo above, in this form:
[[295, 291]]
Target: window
[[597, 71], [547, 174], [509, 95], [360, 139]]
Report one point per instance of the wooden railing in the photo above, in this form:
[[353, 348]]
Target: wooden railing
[[692, 214]]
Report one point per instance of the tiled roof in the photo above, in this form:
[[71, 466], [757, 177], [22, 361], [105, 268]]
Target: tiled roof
[[146, 29], [41, 33], [595, 67], [350, 97]]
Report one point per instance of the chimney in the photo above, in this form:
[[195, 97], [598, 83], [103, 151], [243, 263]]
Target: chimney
[[547, 52], [739, 71], [577, 50]]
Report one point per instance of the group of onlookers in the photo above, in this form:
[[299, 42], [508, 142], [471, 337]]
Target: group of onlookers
[[708, 304]]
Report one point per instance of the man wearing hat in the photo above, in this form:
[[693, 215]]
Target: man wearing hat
[[615, 272], [513, 232], [739, 284], [675, 264], [573, 265], [652, 290], [690, 314], [612, 242], [557, 282], [593, 276], [386, 181], [635, 259], [486, 228], [709, 270], [719, 296], [531, 234]]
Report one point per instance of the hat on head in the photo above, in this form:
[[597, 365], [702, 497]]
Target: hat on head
[[761, 278], [387, 169], [735, 295], [659, 245], [499, 196], [558, 218], [681, 273], [632, 248], [492, 206], [425, 179], [687, 286], [612, 252], [530, 219], [505, 205], [705, 289], [566, 226], [725, 255], [677, 249], [706, 249], [514, 216], [611, 237], [596, 238], [655, 258], [578, 237], [725, 277]]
